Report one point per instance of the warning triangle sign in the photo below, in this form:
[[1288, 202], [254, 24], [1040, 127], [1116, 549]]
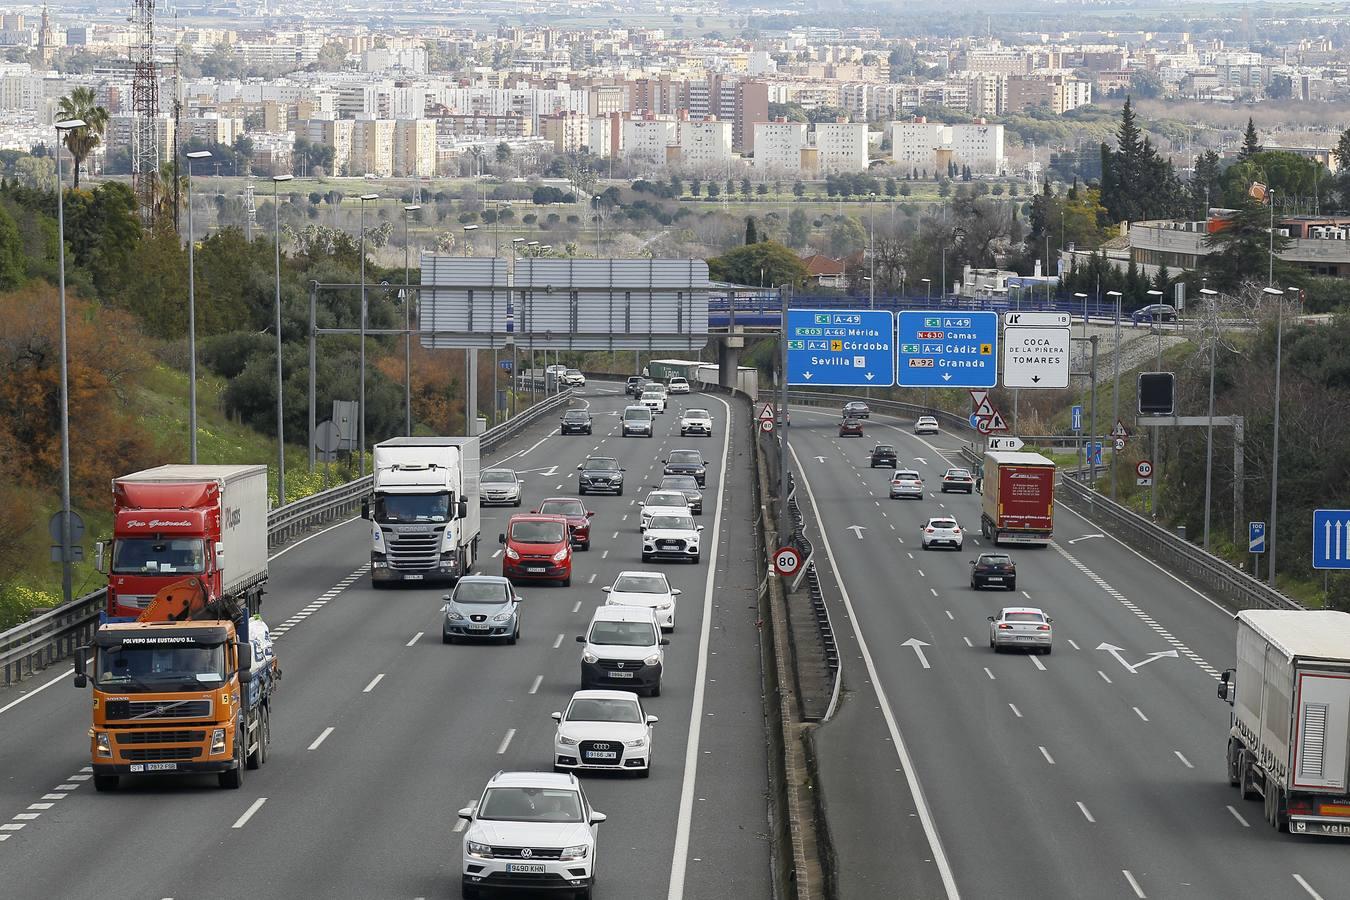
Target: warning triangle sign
[[996, 422], [766, 412], [1119, 430], [978, 398], [986, 409]]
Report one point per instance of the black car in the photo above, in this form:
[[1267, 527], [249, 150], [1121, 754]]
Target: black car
[[636, 385], [600, 474], [686, 462], [993, 569], [882, 455], [575, 421], [687, 485], [851, 428]]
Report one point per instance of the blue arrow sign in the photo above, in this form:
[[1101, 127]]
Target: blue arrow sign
[[841, 348], [1095, 453], [506, 365], [1331, 539], [1256, 537], [946, 349], [1077, 418]]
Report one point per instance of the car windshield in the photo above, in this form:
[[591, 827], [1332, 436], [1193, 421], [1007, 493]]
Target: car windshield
[[642, 414], [123, 667], [481, 592], [926, 420], [991, 560], [573, 371], [594, 710], [680, 483], [651, 395], [884, 448], [412, 507], [538, 532], [140, 556], [577, 415], [686, 457], [957, 473], [1023, 617], [623, 634], [498, 476], [666, 498], [696, 414], [562, 508], [672, 523], [942, 523], [528, 804], [641, 584], [602, 464]]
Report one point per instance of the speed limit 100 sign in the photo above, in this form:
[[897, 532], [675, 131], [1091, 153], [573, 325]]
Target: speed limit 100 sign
[[786, 561]]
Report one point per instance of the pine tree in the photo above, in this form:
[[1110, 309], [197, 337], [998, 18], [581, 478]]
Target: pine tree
[[751, 232], [1162, 282], [1251, 145], [1342, 151]]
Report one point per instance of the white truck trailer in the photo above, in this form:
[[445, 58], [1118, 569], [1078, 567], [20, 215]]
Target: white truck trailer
[[1289, 742], [423, 509]]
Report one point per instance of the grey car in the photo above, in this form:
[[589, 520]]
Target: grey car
[[481, 607], [688, 485], [600, 474]]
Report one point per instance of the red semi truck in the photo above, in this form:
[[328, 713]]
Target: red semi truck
[[1019, 498], [176, 521]]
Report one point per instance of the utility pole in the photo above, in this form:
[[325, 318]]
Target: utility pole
[[1115, 393], [784, 529]]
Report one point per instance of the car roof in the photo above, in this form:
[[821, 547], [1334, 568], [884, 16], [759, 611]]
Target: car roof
[[695, 410], [482, 579], [618, 612], [536, 517], [601, 459], [906, 472], [933, 519], [535, 779], [557, 499], [577, 411], [1020, 609], [604, 695], [499, 469]]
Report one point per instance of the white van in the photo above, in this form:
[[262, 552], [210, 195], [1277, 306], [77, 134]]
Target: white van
[[623, 649]]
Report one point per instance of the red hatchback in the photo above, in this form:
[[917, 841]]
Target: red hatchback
[[577, 515], [538, 548]]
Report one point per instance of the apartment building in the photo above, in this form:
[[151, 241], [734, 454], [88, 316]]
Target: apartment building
[[841, 146], [779, 146], [1056, 93], [415, 147], [705, 145], [914, 145], [373, 147], [646, 140], [335, 133], [927, 146], [569, 131]]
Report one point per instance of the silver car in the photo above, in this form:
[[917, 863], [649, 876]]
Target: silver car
[[481, 606], [499, 487], [906, 483], [1021, 626]]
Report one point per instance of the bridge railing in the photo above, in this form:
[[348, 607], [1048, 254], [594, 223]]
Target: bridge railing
[[53, 636], [768, 304]]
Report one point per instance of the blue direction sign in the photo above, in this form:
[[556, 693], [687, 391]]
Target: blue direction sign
[[506, 365], [1331, 539], [1256, 537], [841, 348], [1077, 418], [946, 349]]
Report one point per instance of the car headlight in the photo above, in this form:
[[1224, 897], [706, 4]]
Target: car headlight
[[653, 660], [218, 740], [482, 851], [454, 615], [566, 741], [512, 554], [560, 555], [640, 742], [580, 851], [589, 657], [503, 617], [104, 748]]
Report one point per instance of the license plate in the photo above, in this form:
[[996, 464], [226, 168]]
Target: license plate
[[412, 577], [479, 628], [154, 767], [669, 545], [620, 674], [602, 754], [538, 570], [1023, 637], [994, 578], [526, 868]]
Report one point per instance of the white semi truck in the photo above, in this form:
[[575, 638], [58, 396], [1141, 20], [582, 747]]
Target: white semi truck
[[423, 509], [1289, 741]]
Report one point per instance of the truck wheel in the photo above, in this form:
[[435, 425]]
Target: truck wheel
[[104, 783], [266, 737], [234, 778], [1247, 777], [1234, 773]]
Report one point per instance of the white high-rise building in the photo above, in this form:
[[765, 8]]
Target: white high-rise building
[[779, 146], [705, 145], [919, 145], [646, 140], [842, 146], [914, 145], [979, 146]]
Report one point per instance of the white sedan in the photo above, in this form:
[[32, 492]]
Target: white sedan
[[654, 401], [926, 425], [942, 530], [1021, 626], [673, 503], [604, 730], [649, 589]]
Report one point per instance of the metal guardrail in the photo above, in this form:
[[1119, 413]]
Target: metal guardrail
[[54, 635], [824, 625], [890, 407]]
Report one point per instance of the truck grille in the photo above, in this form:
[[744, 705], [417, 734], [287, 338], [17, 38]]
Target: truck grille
[[518, 853], [161, 754], [158, 709], [160, 737], [614, 747], [413, 552]]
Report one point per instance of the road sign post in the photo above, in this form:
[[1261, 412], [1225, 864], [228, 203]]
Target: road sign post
[[939, 349], [840, 349]]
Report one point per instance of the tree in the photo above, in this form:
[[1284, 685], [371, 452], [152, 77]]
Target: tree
[[766, 261], [762, 189], [714, 190], [892, 188], [1205, 186], [799, 189], [847, 235], [1162, 282], [799, 227], [751, 233], [745, 187], [503, 153], [79, 104], [1137, 184], [1342, 151], [1243, 248], [696, 187], [1251, 145], [676, 186], [13, 269], [332, 57]]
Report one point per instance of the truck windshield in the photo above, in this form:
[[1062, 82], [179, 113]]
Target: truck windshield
[[153, 556], [412, 507], [152, 668]]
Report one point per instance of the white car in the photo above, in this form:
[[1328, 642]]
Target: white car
[[499, 487], [696, 421], [649, 589], [671, 503], [1021, 626], [574, 378], [658, 387], [942, 530], [606, 731], [528, 829], [906, 483], [679, 385], [926, 425], [654, 401], [671, 536]]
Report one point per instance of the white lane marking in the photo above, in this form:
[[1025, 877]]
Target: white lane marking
[[1138, 891], [33, 693], [967, 640], [66, 787], [54, 796], [27, 816], [949, 614], [415, 638], [557, 642], [323, 736], [248, 813], [590, 580], [1074, 645], [1087, 815], [79, 777], [1025, 594], [1105, 677], [538, 680], [1140, 713], [460, 825], [680, 857], [1237, 815], [1184, 761], [496, 553], [506, 741], [933, 591], [13, 826], [525, 451], [990, 674], [1036, 661], [1307, 887], [41, 805], [576, 607], [604, 555], [1016, 712], [921, 575], [1048, 758], [614, 536], [374, 681]]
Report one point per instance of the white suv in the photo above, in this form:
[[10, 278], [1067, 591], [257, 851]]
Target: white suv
[[654, 401], [649, 589], [530, 830], [696, 421], [942, 530], [623, 649], [679, 384], [671, 536]]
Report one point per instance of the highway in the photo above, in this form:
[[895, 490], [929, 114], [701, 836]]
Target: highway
[[382, 733], [1096, 771]]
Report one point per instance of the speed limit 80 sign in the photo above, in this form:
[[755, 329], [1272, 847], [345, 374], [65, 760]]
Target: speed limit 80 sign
[[786, 561]]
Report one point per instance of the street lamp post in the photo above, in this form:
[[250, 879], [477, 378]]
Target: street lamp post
[[1212, 311], [1115, 392], [407, 325], [1155, 297], [67, 580], [1079, 295], [928, 287], [468, 232], [1275, 451], [281, 432], [362, 419], [192, 314]]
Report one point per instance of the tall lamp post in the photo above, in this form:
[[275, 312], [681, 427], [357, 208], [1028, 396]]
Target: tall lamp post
[[407, 324], [1079, 295], [361, 428], [1275, 451], [1212, 311], [66, 542], [1115, 392], [192, 313], [281, 434], [468, 233], [928, 286]]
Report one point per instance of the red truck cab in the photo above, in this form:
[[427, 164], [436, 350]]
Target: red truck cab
[[577, 515], [537, 548]]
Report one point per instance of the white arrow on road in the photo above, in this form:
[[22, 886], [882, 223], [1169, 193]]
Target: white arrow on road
[[918, 646], [820, 459], [1084, 538], [920, 459], [552, 470], [1134, 669], [858, 530]]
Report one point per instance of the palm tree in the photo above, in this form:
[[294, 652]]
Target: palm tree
[[82, 141]]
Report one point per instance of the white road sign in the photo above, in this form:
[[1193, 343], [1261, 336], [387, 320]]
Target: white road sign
[[1003, 443], [1043, 319], [1035, 357]]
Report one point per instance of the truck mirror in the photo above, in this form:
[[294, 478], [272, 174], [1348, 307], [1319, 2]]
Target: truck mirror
[[501, 539], [1227, 687], [463, 511], [245, 652], [220, 552], [365, 509], [81, 679], [98, 556]]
